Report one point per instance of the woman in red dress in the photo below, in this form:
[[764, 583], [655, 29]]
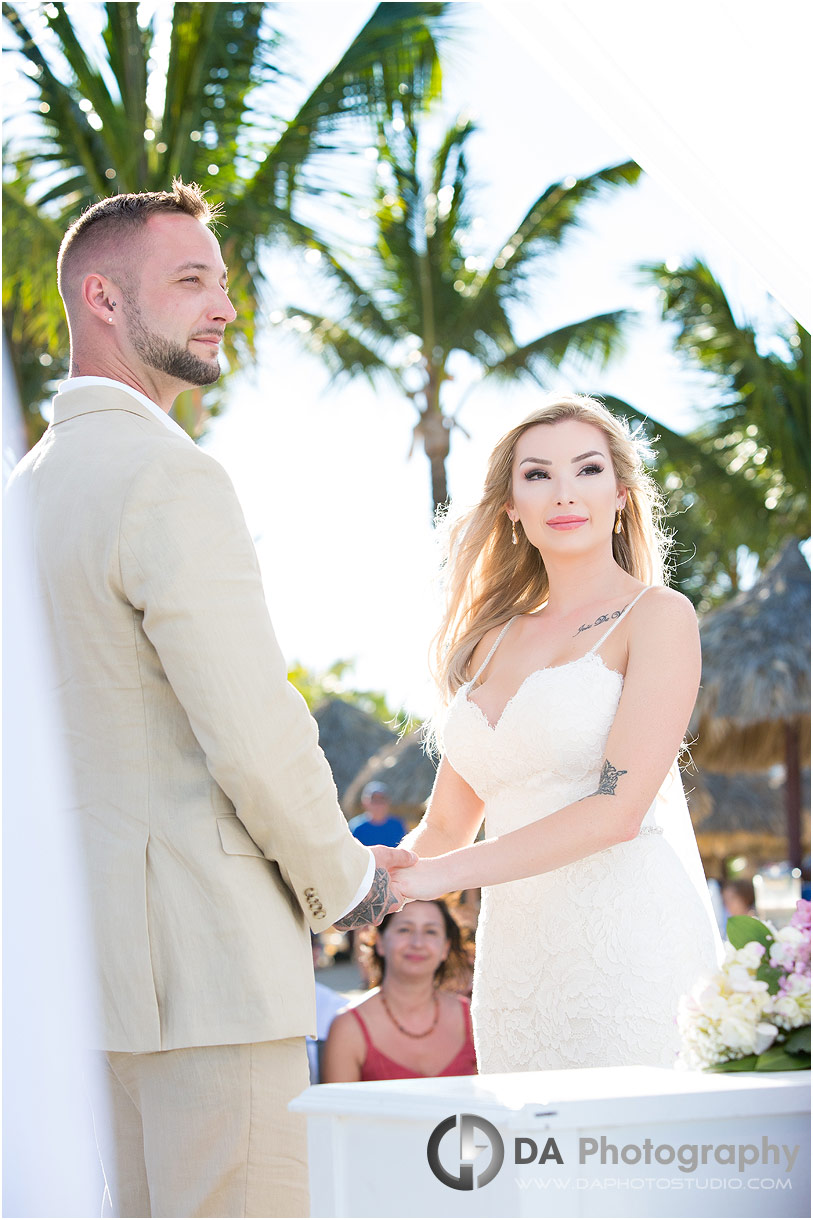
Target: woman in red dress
[[409, 1025]]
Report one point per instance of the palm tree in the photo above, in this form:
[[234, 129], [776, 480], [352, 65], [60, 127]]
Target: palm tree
[[419, 297], [742, 479], [101, 131]]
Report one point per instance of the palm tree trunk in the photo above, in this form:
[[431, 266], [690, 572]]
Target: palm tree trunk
[[433, 429]]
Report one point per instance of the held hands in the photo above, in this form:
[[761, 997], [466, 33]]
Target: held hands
[[428, 878], [385, 893]]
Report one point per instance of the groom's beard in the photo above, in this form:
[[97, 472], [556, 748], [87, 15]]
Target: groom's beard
[[165, 355]]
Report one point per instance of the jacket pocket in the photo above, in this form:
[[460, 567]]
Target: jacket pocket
[[235, 839]]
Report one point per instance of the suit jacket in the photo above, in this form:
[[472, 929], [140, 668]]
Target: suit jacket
[[212, 832]]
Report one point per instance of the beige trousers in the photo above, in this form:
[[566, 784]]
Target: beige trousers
[[205, 1131]]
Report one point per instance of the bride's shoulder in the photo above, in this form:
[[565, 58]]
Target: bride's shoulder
[[665, 611], [484, 646]]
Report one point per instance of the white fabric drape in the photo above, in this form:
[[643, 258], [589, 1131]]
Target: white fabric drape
[[50, 1162], [711, 98]]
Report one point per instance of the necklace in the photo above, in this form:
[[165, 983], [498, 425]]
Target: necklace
[[398, 1024]]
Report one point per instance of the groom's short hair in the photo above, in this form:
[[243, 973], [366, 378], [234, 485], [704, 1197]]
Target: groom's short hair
[[105, 229]]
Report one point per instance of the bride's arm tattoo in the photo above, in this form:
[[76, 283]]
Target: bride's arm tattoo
[[372, 909], [608, 780]]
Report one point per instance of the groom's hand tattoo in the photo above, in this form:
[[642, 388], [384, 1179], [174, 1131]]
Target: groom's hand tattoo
[[608, 780], [374, 907]]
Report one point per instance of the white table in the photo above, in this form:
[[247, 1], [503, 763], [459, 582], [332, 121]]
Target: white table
[[368, 1144]]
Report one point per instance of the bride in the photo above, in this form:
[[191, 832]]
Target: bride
[[568, 672]]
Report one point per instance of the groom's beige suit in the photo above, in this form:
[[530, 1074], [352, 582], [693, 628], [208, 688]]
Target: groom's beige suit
[[211, 830]]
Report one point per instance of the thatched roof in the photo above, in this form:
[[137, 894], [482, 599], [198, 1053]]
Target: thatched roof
[[407, 771], [756, 670], [349, 737], [749, 804], [743, 815]]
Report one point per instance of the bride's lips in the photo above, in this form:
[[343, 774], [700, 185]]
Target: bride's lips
[[566, 523]]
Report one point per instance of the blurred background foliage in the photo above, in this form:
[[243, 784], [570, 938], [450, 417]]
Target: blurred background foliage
[[740, 482], [109, 102], [335, 682]]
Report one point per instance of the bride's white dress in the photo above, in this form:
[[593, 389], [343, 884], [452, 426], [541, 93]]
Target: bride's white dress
[[582, 966]]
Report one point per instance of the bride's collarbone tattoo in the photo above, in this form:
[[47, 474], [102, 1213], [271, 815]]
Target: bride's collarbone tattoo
[[602, 618]]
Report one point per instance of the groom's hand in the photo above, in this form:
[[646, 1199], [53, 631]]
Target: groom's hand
[[393, 857], [383, 896]]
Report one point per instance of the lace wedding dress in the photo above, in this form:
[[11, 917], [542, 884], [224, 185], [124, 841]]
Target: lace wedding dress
[[582, 966]]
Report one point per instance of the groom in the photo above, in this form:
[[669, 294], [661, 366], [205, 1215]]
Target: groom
[[212, 837]]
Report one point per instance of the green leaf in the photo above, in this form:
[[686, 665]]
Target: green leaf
[[777, 1059], [798, 1041], [742, 929], [748, 1064], [770, 975]]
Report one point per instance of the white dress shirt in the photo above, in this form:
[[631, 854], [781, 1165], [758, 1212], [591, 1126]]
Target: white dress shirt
[[79, 383]]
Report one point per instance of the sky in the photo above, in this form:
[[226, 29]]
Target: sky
[[339, 511]]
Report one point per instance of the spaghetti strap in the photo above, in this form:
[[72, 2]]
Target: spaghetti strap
[[623, 614], [494, 647], [367, 1039]]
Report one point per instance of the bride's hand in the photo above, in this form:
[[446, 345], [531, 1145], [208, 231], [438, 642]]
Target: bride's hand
[[426, 879]]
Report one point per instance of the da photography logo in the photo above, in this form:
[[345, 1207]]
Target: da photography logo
[[463, 1176]]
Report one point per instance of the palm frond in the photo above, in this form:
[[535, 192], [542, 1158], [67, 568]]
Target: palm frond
[[219, 55], [762, 390], [70, 143], [592, 341], [345, 354], [392, 66], [543, 229]]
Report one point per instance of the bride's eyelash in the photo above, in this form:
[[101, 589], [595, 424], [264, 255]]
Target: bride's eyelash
[[591, 468]]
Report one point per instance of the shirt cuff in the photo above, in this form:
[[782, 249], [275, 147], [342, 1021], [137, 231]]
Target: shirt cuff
[[363, 889]]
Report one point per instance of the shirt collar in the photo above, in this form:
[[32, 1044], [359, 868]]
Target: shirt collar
[[80, 383]]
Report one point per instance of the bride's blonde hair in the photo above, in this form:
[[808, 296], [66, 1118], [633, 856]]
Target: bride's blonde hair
[[487, 579]]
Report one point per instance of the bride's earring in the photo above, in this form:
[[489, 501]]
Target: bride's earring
[[514, 538], [617, 528]]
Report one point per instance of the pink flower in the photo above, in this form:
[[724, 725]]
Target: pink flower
[[801, 917]]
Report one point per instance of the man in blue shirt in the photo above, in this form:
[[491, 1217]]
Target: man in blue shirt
[[376, 826]]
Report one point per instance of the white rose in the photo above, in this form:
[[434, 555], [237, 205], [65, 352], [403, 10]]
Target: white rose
[[750, 954], [791, 1012], [741, 978], [738, 1033], [707, 992], [746, 1005], [790, 935], [764, 1036]]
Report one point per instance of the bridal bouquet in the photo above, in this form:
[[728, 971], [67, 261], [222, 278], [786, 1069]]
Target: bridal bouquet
[[755, 1014]]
